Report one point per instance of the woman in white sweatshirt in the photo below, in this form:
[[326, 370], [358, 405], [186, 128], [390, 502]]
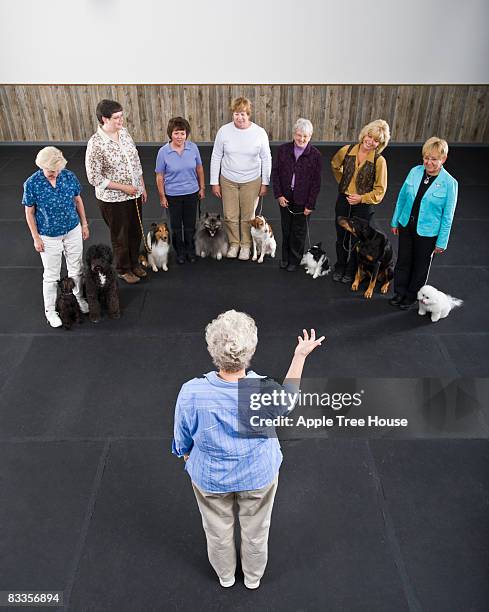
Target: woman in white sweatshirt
[[241, 163]]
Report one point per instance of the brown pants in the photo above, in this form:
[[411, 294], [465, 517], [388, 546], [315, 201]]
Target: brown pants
[[218, 517], [239, 204], [125, 232]]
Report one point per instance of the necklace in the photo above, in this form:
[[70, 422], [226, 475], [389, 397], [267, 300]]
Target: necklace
[[427, 179]]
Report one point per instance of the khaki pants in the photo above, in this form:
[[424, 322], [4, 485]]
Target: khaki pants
[[239, 204], [218, 516]]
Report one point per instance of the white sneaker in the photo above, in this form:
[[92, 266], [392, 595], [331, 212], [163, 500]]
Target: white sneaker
[[233, 251], [53, 318], [83, 304], [251, 585], [227, 583], [244, 253]]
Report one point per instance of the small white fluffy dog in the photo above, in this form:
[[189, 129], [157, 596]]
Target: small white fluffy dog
[[158, 240], [264, 242], [436, 302]]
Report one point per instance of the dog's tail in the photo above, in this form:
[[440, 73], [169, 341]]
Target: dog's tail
[[454, 302]]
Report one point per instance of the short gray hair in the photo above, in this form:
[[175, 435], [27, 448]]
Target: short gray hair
[[304, 126], [231, 340]]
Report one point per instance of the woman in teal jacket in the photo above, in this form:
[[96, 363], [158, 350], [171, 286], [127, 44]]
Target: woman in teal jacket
[[422, 220]]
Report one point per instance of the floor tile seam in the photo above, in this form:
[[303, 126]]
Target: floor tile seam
[[86, 524], [412, 600], [137, 333]]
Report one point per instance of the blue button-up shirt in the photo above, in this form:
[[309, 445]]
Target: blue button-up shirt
[[222, 459], [56, 212], [179, 170]]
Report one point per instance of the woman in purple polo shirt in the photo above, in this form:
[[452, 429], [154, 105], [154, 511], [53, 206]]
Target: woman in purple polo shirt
[[296, 176], [181, 183]]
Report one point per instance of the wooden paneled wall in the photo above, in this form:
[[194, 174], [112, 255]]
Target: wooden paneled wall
[[66, 113]]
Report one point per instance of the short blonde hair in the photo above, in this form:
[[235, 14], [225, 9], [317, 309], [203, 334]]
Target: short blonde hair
[[231, 340], [435, 145], [241, 105], [378, 129], [50, 158]]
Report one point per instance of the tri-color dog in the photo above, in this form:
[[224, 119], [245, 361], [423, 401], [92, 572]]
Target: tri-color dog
[[158, 240], [374, 255]]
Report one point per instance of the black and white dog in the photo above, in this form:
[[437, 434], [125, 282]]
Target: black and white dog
[[101, 283], [316, 262]]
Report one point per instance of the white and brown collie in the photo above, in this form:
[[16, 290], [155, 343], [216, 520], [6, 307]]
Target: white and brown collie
[[264, 242], [158, 240]]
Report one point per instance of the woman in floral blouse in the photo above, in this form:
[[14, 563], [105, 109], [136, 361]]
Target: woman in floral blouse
[[114, 169]]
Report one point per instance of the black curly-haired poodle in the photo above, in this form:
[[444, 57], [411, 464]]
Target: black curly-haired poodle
[[66, 303], [101, 283]]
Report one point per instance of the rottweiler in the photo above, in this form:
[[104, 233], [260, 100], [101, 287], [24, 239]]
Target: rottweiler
[[374, 255]]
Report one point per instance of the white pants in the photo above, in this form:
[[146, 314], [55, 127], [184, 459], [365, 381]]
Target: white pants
[[71, 244]]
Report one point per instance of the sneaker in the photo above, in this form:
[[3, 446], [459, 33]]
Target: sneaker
[[233, 251], [129, 278], [227, 583], [53, 318], [244, 253], [251, 585], [139, 271], [83, 304]]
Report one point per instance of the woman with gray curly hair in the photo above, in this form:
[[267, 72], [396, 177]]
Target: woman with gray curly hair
[[226, 463]]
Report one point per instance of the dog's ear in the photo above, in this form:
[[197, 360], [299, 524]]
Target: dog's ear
[[153, 226]]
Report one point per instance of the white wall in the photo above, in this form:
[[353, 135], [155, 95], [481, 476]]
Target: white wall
[[253, 41]]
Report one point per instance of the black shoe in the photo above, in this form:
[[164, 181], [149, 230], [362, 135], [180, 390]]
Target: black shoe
[[291, 268], [406, 304], [347, 280], [283, 264], [192, 258], [396, 300], [337, 276], [180, 259]]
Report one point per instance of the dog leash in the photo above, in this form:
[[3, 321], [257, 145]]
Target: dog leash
[[146, 247], [307, 224]]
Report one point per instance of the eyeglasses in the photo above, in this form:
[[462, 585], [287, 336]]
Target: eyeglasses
[[431, 159]]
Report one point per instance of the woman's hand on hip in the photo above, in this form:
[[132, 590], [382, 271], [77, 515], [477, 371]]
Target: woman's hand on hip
[[216, 190], [395, 231], [39, 245], [263, 191], [306, 344], [283, 202]]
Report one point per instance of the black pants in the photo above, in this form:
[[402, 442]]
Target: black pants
[[346, 259], [182, 213], [294, 229], [413, 261], [125, 232]]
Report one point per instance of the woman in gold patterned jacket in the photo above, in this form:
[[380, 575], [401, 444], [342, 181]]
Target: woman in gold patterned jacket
[[361, 173]]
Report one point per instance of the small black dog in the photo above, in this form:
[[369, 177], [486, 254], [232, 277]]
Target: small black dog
[[66, 303], [374, 255], [101, 283]]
